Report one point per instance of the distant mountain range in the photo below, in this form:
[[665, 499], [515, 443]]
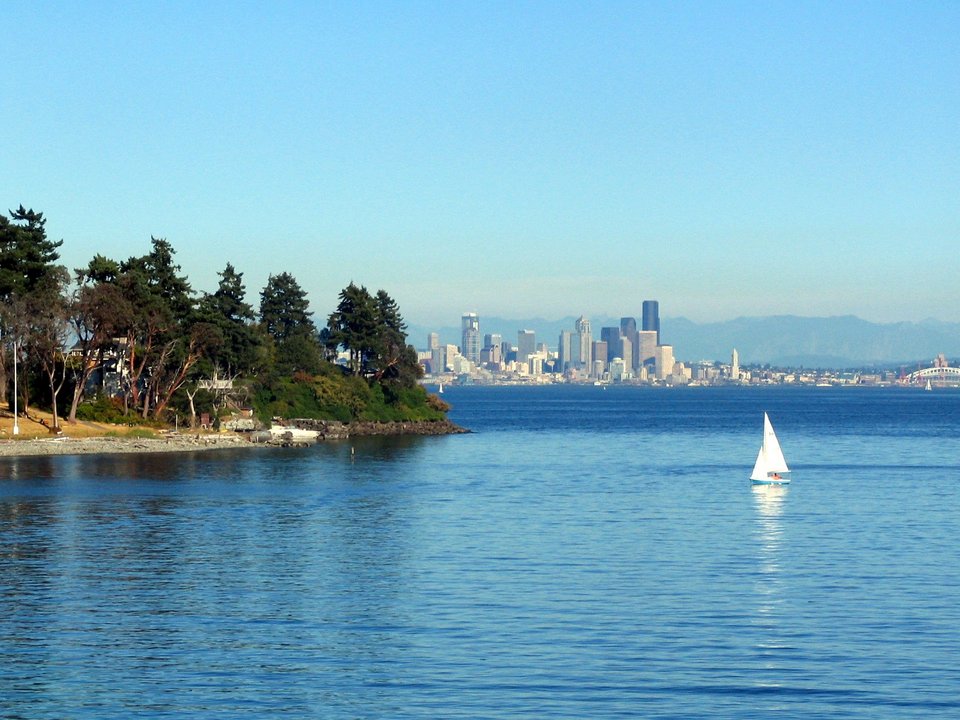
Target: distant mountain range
[[781, 340]]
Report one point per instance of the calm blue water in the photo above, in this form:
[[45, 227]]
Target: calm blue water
[[583, 554]]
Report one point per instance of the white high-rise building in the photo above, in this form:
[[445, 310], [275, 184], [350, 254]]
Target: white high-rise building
[[585, 345], [664, 360], [735, 365], [648, 346]]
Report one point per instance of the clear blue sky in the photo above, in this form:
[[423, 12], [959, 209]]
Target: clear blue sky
[[512, 159]]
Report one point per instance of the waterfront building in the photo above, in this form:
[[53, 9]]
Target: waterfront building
[[526, 345], [664, 361], [735, 365], [598, 369], [647, 341], [470, 336], [618, 370], [651, 317]]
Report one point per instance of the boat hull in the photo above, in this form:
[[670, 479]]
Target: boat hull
[[771, 481]]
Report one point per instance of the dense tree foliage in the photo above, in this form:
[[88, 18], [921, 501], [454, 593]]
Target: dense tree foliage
[[228, 311], [27, 270], [372, 331], [286, 320], [143, 343]]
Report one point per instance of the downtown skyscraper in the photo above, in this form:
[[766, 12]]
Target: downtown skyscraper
[[470, 337], [651, 317]]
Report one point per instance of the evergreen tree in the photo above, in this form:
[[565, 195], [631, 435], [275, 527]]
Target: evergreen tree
[[26, 255], [27, 258], [353, 326], [283, 308], [228, 310], [391, 337], [287, 321]]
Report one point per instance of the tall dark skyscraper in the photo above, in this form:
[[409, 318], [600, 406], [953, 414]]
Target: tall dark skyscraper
[[651, 317]]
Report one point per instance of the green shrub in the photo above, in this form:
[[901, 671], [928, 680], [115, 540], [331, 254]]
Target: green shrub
[[332, 394], [105, 409]]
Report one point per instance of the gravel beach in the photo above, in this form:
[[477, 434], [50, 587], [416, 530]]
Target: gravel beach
[[94, 445]]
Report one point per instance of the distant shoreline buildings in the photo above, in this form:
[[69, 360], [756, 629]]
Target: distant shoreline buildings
[[624, 354], [619, 354]]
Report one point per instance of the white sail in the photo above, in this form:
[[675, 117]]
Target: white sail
[[771, 465], [759, 468], [771, 448]]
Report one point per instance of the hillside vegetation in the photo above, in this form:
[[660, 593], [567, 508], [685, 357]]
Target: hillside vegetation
[[145, 348]]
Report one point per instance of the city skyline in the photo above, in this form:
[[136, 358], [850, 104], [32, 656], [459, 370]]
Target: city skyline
[[838, 341], [731, 159]]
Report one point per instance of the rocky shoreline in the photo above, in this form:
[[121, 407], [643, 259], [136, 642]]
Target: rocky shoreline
[[333, 430], [184, 442]]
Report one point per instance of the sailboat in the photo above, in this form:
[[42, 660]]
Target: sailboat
[[771, 468], [440, 389]]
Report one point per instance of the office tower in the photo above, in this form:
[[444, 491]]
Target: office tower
[[490, 355], [651, 317], [611, 336], [664, 361], [526, 344], [433, 341], [492, 340], [600, 353], [735, 365], [470, 327], [647, 340], [564, 348], [585, 341], [450, 355], [625, 351], [628, 328]]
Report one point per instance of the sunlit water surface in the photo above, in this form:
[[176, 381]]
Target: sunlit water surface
[[584, 553]]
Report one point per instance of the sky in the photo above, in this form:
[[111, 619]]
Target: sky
[[514, 159]]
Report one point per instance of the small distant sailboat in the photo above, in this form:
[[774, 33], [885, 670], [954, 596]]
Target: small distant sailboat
[[928, 386], [771, 467], [440, 389]]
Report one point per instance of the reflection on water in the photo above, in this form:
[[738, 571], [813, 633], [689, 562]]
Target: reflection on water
[[768, 501], [769, 587]]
